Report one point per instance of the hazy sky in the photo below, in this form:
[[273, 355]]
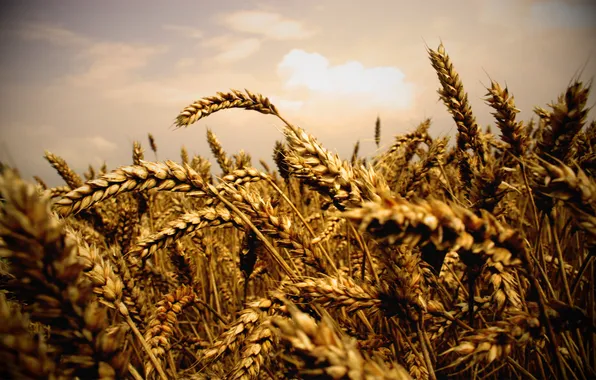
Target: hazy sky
[[84, 79]]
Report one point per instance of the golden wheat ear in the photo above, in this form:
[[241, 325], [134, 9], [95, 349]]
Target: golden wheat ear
[[223, 100], [48, 277]]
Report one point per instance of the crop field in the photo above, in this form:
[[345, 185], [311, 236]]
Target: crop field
[[431, 260]]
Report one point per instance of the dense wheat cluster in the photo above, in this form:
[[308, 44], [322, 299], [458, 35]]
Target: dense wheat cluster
[[428, 261]]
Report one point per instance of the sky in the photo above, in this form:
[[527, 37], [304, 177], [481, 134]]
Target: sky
[[84, 79]]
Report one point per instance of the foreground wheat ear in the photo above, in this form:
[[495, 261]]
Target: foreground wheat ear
[[425, 261]]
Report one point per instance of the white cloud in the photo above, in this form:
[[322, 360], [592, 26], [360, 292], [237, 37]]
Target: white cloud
[[365, 86], [156, 93], [118, 71], [186, 31], [53, 34], [123, 55], [100, 143], [105, 64], [231, 49], [217, 42], [112, 63], [287, 104], [238, 50], [271, 25]]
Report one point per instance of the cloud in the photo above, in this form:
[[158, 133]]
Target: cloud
[[100, 143], [267, 24], [111, 63], [118, 71], [372, 86], [239, 50], [103, 63], [231, 49], [124, 55], [217, 42], [186, 31], [287, 104], [56, 35]]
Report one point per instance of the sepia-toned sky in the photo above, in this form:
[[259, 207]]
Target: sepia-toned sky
[[84, 79]]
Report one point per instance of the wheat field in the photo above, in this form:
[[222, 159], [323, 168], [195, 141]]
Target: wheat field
[[429, 260]]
